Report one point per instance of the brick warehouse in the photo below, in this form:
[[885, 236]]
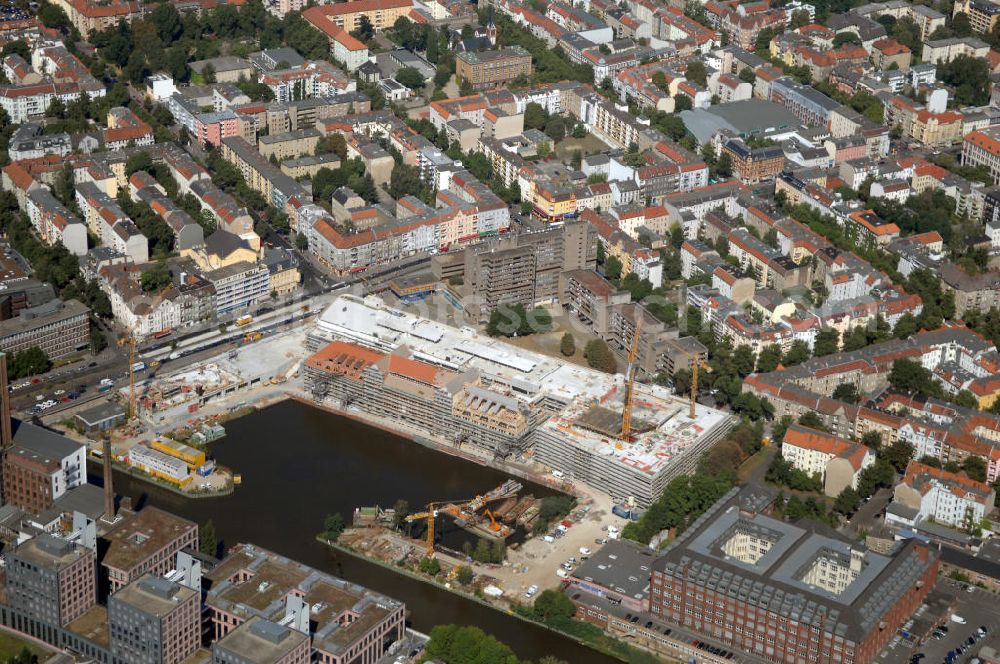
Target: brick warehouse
[[784, 592]]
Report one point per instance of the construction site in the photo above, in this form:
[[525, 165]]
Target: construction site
[[257, 362], [460, 387]]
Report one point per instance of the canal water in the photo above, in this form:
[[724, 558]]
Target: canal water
[[300, 464]]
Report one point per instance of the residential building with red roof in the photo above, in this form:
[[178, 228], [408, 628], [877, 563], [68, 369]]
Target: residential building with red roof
[[838, 462], [930, 493], [343, 47], [382, 14]]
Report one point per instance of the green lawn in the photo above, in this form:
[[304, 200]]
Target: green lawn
[[11, 645], [587, 145]]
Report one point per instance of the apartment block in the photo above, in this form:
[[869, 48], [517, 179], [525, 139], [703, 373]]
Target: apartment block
[[59, 328], [260, 641], [346, 623], [982, 148], [346, 15], [930, 493], [40, 467], [51, 580], [145, 542], [982, 14], [493, 69], [154, 621]]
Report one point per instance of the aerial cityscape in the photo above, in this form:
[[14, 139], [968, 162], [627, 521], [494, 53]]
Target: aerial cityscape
[[499, 332]]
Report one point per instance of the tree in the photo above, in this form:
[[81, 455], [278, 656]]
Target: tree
[[961, 26], [800, 17], [797, 353], [812, 420], [208, 541], [928, 460], [405, 181], [555, 128], [846, 392], [879, 474], [208, 73], [872, 440], [301, 242], [970, 77], [464, 575], [909, 376], [138, 161], [400, 511], [454, 644], [333, 526], [29, 362], [600, 357], [769, 358], [535, 116], [430, 566], [743, 361], [906, 327], [682, 381], [633, 158], [98, 341], [612, 268], [365, 31], [826, 342], [410, 77], [846, 38], [552, 604], [696, 73], [567, 346], [724, 166], [847, 502], [975, 468], [897, 455], [155, 278], [682, 103], [53, 16]]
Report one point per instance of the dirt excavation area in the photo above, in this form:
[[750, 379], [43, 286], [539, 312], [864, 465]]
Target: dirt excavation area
[[536, 562]]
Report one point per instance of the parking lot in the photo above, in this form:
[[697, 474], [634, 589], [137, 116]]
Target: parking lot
[[977, 607]]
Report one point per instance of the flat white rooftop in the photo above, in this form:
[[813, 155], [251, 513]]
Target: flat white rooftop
[[372, 323], [661, 419]]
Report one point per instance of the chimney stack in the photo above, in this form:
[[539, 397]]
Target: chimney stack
[[109, 490], [6, 437]]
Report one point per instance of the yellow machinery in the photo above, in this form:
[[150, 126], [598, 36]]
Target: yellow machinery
[[630, 383], [698, 363], [251, 337], [429, 517], [129, 340], [494, 526]]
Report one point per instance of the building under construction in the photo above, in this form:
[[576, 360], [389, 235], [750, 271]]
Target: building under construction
[[455, 384], [432, 400], [585, 442]]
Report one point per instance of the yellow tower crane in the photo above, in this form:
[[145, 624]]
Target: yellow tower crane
[[129, 340], [697, 364], [630, 383], [429, 517]]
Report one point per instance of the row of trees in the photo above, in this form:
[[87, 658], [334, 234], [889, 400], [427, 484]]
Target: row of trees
[[683, 500], [29, 362], [470, 645]]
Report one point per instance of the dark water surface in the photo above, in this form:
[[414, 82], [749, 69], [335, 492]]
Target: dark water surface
[[300, 464]]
